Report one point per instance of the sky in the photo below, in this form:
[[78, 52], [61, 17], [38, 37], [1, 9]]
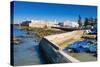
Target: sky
[[46, 11]]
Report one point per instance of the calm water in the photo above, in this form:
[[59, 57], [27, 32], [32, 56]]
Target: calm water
[[27, 52], [83, 57]]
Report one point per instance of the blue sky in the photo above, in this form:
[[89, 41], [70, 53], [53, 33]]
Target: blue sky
[[50, 12]]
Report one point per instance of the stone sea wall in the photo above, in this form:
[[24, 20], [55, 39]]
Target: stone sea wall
[[53, 53]]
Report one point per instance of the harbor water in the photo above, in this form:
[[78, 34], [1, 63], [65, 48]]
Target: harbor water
[[27, 52]]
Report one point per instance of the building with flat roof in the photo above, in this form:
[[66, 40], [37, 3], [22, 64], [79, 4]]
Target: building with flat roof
[[25, 23], [69, 24], [41, 24]]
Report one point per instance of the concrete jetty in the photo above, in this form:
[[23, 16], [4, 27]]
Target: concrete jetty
[[53, 52], [65, 37]]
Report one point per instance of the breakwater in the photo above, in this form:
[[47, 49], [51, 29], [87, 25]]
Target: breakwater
[[53, 52]]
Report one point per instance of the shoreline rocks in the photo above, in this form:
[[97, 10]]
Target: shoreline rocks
[[16, 41]]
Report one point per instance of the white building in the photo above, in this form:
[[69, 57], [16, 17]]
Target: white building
[[70, 24], [41, 24]]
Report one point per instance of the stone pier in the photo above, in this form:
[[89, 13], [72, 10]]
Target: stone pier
[[53, 52]]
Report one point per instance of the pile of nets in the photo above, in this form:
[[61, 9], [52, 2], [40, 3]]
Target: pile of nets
[[82, 46]]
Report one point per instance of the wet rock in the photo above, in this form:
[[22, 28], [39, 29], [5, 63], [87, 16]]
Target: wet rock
[[29, 33], [29, 36], [16, 41], [20, 37]]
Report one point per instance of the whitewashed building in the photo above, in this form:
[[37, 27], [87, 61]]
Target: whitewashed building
[[70, 24], [41, 24]]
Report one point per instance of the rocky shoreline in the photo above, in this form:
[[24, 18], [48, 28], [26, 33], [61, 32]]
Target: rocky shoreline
[[16, 41]]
